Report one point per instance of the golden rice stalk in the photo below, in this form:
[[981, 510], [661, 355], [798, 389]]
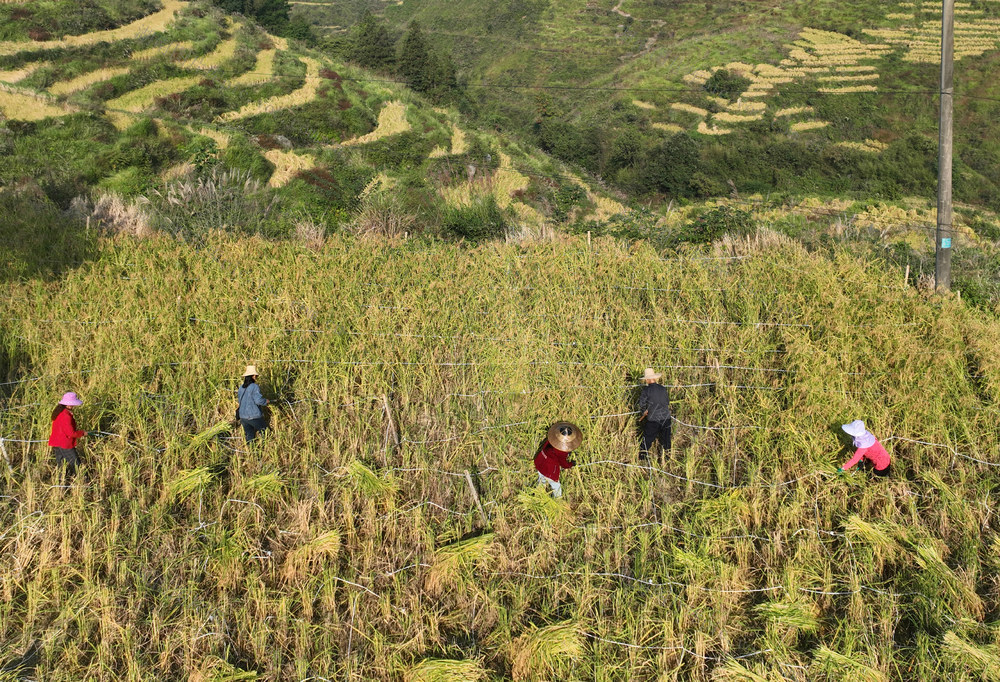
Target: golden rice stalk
[[543, 653], [220, 138], [697, 111], [326, 545], [845, 664], [208, 434], [878, 537], [451, 559], [222, 53], [668, 127], [279, 43], [984, 661], [286, 165], [120, 120], [266, 486], [215, 669], [459, 145], [85, 80], [704, 129], [188, 481], [950, 584], [438, 152], [802, 126], [391, 121], [154, 52], [17, 75], [153, 23], [27, 106], [732, 670], [538, 502], [446, 670], [643, 105], [368, 482], [262, 72], [797, 615], [726, 117], [142, 98], [304, 95]]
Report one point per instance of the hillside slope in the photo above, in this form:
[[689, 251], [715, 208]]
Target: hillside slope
[[819, 96], [153, 105], [331, 552]]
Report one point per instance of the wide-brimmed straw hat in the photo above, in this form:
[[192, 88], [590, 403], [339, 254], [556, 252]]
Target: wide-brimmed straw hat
[[856, 428], [251, 371], [565, 436], [70, 400], [651, 375]]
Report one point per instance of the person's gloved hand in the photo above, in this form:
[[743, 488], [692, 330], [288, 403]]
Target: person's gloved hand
[[840, 470], [572, 463]]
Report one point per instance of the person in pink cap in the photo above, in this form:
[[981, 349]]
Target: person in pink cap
[[64, 433], [872, 455]]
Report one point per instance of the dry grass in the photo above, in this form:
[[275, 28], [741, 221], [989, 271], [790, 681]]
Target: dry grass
[[222, 53], [28, 106], [85, 80], [286, 165], [391, 121], [262, 72], [172, 49], [17, 75], [221, 138], [304, 95], [144, 97], [154, 23]]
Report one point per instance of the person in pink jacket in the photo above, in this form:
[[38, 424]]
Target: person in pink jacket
[[872, 455]]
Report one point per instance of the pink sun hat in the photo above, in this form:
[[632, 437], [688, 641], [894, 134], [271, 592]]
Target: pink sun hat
[[70, 400]]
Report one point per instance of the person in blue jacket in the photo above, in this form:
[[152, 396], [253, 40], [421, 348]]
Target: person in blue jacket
[[251, 400]]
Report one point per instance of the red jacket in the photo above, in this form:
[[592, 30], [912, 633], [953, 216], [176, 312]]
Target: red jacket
[[64, 433], [549, 461], [876, 454]]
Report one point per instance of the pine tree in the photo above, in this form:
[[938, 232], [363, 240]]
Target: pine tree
[[414, 59], [371, 46]]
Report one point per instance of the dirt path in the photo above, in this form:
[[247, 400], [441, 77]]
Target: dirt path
[[656, 24]]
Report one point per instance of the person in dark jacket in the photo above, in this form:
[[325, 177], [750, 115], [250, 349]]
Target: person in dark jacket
[[552, 457], [654, 406], [64, 434], [251, 400]]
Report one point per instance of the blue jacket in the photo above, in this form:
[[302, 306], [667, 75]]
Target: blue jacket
[[251, 401]]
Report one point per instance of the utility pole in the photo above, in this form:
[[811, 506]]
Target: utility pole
[[942, 250]]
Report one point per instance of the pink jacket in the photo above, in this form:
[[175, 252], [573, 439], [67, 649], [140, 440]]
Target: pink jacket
[[876, 454]]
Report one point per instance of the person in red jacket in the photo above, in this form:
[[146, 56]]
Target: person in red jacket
[[870, 452], [64, 433], [552, 457]]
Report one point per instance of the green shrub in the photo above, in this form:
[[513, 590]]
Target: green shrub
[[479, 221], [242, 155], [711, 224], [128, 182], [727, 84]]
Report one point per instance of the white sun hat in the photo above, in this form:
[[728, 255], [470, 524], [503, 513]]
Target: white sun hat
[[856, 428], [251, 371], [651, 375]]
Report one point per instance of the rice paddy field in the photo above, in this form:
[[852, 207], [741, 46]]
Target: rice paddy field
[[404, 375]]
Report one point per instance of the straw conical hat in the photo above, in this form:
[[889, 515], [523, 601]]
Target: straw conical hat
[[565, 436]]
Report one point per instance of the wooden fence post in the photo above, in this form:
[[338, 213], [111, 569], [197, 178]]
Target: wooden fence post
[[475, 496]]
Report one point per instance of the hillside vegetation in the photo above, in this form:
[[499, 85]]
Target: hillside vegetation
[[179, 93], [332, 552], [809, 96]]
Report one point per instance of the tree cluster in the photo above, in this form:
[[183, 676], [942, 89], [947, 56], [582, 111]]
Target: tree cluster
[[411, 57]]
